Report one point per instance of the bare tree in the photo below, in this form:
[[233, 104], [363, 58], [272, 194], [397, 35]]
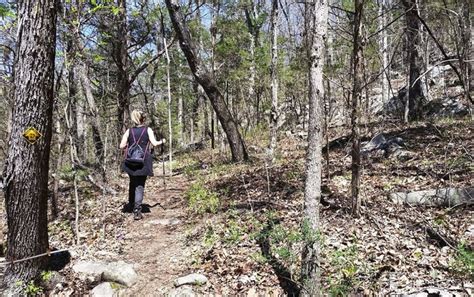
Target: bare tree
[[205, 78], [357, 76], [274, 77], [316, 17], [415, 87]]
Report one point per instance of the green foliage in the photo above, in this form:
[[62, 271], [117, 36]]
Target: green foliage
[[6, 11], [233, 233], [30, 289], [344, 263], [464, 261], [210, 237], [46, 275], [202, 200]]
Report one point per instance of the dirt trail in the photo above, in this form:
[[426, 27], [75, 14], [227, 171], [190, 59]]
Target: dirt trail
[[155, 244]]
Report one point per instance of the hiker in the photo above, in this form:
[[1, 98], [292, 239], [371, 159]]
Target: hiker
[[138, 160]]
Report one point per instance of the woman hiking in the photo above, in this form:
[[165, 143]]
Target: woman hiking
[[138, 160]]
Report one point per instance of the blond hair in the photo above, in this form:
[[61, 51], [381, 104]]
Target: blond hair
[[138, 117]]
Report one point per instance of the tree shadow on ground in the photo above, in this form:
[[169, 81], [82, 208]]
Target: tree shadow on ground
[[284, 276]]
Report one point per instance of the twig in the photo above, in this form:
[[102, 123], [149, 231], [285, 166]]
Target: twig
[[33, 257]]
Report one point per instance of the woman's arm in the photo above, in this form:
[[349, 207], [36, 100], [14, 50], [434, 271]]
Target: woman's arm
[[124, 141], [152, 138]]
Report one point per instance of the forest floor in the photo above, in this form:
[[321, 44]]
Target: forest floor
[[238, 224]]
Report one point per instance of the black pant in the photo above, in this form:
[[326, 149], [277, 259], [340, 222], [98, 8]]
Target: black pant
[[136, 189]]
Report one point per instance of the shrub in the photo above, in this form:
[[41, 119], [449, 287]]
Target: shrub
[[202, 200]]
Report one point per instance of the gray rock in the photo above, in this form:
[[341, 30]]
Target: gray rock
[[191, 279], [120, 272], [375, 143], [90, 271], [103, 290], [440, 197], [184, 291]]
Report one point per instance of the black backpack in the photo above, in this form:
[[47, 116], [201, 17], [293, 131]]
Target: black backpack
[[135, 155]]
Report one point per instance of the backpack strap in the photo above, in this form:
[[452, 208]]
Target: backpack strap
[[143, 131], [139, 138]]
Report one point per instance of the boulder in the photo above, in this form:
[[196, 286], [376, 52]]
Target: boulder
[[90, 271], [103, 290], [191, 279], [392, 147], [120, 272], [440, 197]]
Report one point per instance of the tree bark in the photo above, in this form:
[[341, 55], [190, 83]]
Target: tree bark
[[207, 81], [93, 112], [316, 14], [415, 62], [466, 36], [121, 59], [251, 15], [383, 44], [26, 174], [357, 75], [274, 78]]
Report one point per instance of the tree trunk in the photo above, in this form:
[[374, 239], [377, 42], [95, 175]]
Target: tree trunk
[[207, 81], [357, 75], [316, 14], [121, 60], [180, 117], [251, 15], [170, 127], [383, 44], [274, 77], [94, 113], [416, 91], [26, 174], [466, 67]]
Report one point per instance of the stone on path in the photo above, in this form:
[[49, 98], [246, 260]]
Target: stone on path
[[120, 272], [90, 270], [191, 279], [103, 290], [184, 291]]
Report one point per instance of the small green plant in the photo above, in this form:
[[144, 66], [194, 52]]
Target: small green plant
[[202, 200], [259, 258], [31, 289], [464, 260], [116, 286], [46, 275], [344, 263], [210, 237], [233, 233]]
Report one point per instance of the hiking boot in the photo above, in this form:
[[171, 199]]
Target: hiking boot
[[137, 214], [127, 208]]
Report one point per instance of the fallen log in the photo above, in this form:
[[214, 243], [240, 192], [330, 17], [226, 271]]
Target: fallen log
[[447, 197]]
